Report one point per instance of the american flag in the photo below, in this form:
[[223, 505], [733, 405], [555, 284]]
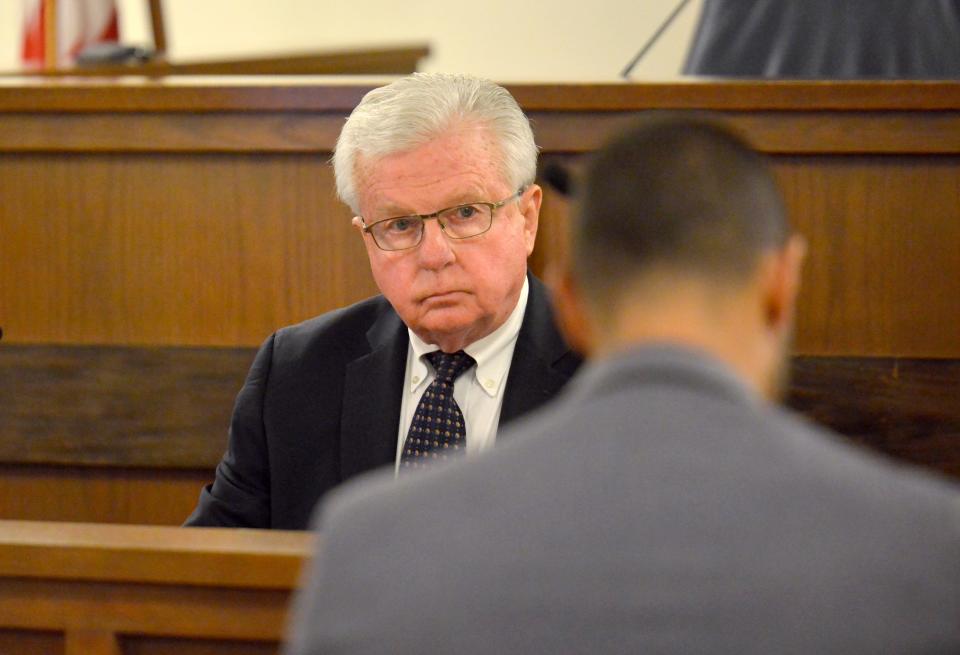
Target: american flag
[[56, 30]]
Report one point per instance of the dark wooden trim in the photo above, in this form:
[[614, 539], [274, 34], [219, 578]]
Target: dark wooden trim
[[166, 133], [385, 61], [293, 114], [906, 408], [169, 407], [340, 93], [182, 94], [779, 133], [118, 406], [829, 133]]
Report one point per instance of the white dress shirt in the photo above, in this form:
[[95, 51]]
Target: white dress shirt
[[478, 391]]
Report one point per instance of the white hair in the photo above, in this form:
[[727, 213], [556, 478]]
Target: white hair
[[416, 109]]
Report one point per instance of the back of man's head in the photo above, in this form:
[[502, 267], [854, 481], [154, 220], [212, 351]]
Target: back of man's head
[[679, 194], [680, 236]]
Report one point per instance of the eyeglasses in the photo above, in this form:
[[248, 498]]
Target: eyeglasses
[[459, 222]]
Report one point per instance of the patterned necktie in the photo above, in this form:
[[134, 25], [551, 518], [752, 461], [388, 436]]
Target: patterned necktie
[[437, 430]]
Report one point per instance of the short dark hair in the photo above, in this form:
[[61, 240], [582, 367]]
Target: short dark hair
[[676, 191]]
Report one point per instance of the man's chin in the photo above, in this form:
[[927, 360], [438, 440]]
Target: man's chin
[[443, 323], [452, 299]]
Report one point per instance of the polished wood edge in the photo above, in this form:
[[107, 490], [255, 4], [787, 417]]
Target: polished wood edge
[[800, 133], [383, 61], [217, 557], [341, 93]]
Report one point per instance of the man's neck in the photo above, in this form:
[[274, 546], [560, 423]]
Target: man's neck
[[725, 329]]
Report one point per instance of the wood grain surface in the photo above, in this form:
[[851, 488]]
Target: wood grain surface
[[91, 589]]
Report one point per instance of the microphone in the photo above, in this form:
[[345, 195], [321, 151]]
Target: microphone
[[559, 178], [625, 73]]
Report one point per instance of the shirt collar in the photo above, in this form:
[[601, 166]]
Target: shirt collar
[[492, 353]]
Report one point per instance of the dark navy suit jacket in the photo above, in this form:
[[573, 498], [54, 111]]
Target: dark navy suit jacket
[[321, 404]]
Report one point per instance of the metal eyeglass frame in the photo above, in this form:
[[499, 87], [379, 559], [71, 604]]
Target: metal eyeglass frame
[[494, 206]]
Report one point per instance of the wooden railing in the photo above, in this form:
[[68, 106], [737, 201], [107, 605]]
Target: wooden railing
[[84, 589]]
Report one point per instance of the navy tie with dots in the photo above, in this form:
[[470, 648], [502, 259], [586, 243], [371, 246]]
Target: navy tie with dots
[[437, 431]]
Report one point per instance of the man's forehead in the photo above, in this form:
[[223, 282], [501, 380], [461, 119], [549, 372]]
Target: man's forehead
[[427, 179]]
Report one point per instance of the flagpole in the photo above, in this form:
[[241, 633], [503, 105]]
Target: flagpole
[[50, 34]]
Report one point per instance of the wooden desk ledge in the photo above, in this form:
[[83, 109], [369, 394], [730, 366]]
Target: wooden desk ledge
[[212, 557]]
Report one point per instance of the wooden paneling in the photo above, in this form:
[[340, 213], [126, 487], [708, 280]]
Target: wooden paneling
[[777, 132], [103, 494], [154, 217], [198, 213], [340, 94], [882, 275], [123, 407], [143, 462], [164, 133], [907, 409], [31, 642], [134, 589], [170, 249]]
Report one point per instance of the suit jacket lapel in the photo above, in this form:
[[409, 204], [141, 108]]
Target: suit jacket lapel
[[372, 397], [542, 361], [542, 364]]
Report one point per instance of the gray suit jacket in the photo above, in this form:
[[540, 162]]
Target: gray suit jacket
[[662, 508]]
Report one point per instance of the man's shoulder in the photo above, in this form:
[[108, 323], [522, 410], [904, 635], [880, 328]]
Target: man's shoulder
[[344, 327]]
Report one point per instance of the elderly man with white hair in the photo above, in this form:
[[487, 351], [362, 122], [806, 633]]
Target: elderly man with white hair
[[439, 170]]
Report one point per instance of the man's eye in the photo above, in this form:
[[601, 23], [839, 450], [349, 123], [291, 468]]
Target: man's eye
[[399, 225], [466, 212]]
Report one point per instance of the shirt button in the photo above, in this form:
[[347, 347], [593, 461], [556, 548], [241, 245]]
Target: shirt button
[[488, 384], [416, 378]]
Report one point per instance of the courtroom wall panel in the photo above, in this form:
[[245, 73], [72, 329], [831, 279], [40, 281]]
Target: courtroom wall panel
[[882, 276], [156, 249], [153, 234]]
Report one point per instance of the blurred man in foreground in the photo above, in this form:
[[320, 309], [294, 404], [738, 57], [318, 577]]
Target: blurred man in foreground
[[663, 504]]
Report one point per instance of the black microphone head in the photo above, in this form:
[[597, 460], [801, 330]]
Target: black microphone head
[[559, 178]]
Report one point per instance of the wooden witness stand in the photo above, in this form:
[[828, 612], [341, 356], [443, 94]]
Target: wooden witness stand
[[154, 232], [85, 589]]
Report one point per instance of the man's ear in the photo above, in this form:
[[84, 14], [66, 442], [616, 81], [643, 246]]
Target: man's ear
[[530, 202], [572, 316], [782, 283]]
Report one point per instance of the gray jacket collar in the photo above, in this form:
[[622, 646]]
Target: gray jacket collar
[[662, 364]]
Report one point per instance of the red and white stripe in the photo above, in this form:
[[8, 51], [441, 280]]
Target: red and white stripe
[[79, 23]]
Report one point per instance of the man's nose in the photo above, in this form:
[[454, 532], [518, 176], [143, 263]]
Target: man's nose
[[435, 250]]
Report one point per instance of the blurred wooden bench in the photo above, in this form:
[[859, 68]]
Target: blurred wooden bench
[[86, 589]]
